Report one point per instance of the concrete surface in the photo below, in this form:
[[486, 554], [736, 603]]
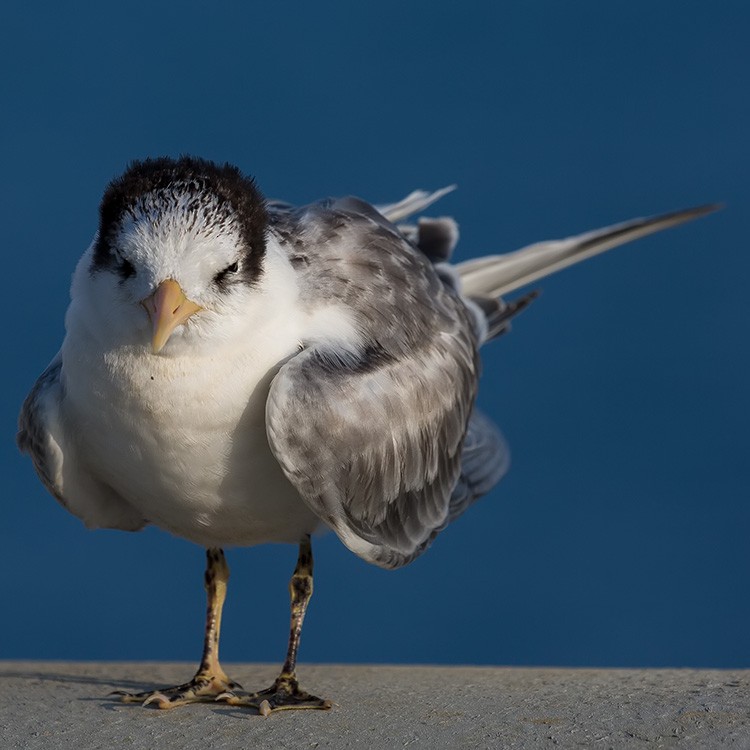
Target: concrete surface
[[64, 705]]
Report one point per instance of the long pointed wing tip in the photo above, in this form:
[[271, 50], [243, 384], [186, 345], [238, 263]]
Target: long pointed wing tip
[[709, 208], [447, 189], [666, 220], [696, 212]]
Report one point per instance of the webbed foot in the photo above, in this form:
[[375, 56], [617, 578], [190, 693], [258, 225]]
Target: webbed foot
[[203, 688], [284, 694]]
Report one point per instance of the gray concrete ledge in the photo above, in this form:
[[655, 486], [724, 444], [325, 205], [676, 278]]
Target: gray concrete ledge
[[64, 705]]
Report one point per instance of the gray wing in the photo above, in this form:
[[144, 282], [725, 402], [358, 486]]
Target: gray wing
[[371, 434], [493, 275], [485, 459], [33, 435], [66, 477]]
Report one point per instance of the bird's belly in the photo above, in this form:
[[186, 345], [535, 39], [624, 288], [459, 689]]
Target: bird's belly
[[190, 454], [251, 502], [217, 493]]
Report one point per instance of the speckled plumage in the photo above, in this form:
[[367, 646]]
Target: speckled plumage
[[379, 451]]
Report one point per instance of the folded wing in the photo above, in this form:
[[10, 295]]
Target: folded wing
[[370, 428]]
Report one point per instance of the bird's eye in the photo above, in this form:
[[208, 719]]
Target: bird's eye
[[221, 277], [125, 269]]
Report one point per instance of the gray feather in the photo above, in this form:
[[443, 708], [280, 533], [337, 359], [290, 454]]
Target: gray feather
[[373, 440], [485, 459], [414, 203], [494, 275], [33, 436]]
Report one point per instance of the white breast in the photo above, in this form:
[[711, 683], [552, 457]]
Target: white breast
[[181, 439]]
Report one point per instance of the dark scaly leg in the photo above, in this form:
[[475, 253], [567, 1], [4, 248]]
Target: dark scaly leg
[[285, 693], [210, 680]]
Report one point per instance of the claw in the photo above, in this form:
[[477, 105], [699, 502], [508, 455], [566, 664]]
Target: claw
[[276, 698], [203, 688], [159, 698]]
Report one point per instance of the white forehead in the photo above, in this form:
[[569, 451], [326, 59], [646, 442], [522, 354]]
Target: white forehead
[[178, 233]]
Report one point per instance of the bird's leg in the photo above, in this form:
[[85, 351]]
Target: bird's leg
[[285, 692], [210, 680]]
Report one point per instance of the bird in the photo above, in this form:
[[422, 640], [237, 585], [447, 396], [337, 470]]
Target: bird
[[238, 371]]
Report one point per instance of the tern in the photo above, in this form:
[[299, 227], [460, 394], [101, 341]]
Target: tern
[[239, 371]]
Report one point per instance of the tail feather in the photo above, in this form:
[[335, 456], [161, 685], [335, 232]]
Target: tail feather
[[483, 281], [495, 275], [412, 204], [497, 313]]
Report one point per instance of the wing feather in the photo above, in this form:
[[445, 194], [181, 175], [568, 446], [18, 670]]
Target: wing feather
[[372, 439], [485, 459], [35, 438], [375, 452], [67, 478], [494, 275]]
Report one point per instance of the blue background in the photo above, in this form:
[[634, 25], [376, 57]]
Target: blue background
[[620, 536]]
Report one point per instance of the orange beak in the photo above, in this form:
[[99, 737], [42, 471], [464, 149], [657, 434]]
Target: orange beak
[[168, 307]]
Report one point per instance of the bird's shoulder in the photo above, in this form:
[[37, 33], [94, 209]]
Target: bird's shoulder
[[345, 250]]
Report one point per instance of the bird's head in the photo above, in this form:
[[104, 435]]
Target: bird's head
[[180, 246]]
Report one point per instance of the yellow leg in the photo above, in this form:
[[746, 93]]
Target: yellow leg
[[210, 680]]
